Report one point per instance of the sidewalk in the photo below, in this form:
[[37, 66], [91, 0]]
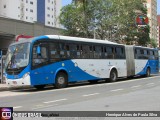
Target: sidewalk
[[5, 87]]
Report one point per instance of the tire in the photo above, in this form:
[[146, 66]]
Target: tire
[[61, 80], [148, 72], [39, 87], [113, 76]]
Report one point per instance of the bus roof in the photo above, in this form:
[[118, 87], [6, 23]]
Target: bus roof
[[67, 38], [80, 39]]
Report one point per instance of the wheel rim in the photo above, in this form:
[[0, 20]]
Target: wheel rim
[[148, 72], [113, 76], [61, 80]]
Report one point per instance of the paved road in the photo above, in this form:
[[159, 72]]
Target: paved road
[[129, 95]]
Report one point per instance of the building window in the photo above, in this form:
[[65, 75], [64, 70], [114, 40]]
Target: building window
[[26, 1], [48, 22], [31, 10], [4, 6], [48, 8], [26, 17], [49, 1], [26, 9], [31, 3], [48, 15]]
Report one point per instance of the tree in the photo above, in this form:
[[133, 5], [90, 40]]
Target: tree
[[105, 19], [153, 42]]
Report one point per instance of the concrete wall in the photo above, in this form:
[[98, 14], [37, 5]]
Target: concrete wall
[[16, 27]]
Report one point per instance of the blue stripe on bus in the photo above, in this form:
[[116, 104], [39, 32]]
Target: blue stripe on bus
[[47, 74], [152, 64], [39, 38]]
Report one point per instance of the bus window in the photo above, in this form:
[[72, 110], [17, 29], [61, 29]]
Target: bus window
[[156, 55], [97, 52], [91, 52], [40, 59], [54, 51], [67, 50], [78, 51], [105, 52], [151, 57], [62, 50], [73, 49], [119, 53], [110, 52], [85, 51], [145, 56]]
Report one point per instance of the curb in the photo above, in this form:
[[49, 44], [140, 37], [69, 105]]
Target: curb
[[7, 88]]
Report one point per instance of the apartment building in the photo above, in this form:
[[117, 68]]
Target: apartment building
[[42, 11], [152, 15], [48, 12]]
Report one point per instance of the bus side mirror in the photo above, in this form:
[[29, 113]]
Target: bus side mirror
[[38, 50]]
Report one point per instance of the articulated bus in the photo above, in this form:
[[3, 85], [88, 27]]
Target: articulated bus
[[59, 60]]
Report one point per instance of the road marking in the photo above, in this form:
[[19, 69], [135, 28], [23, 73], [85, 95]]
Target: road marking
[[43, 106], [150, 84], [79, 87], [55, 101], [16, 107], [136, 86], [90, 94], [116, 90], [105, 84]]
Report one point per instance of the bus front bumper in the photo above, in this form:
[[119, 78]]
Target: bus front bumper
[[25, 81]]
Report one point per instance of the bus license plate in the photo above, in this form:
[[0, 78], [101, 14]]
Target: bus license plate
[[14, 82]]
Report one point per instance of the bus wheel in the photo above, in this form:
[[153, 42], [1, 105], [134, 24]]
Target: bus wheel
[[113, 76], [61, 80], [148, 72], [39, 87]]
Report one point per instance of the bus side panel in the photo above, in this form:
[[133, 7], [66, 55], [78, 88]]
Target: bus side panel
[[154, 66], [78, 70], [47, 74], [101, 67], [142, 65]]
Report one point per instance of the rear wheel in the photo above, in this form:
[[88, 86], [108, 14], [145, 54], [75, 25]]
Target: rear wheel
[[61, 80], [113, 76], [148, 72]]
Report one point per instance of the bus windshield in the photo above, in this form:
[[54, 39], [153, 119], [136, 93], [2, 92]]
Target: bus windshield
[[18, 56]]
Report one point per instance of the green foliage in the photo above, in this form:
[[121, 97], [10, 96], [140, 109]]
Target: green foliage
[[105, 19], [153, 43]]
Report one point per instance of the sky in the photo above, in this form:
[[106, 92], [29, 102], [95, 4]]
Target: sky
[[66, 2]]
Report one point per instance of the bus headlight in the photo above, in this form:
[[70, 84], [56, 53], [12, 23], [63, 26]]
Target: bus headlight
[[25, 75]]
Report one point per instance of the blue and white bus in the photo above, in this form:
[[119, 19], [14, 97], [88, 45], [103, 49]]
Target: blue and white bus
[[59, 60]]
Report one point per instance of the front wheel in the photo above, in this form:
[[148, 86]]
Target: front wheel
[[61, 80], [113, 76]]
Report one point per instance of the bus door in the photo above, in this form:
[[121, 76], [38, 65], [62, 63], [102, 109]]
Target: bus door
[[40, 71]]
